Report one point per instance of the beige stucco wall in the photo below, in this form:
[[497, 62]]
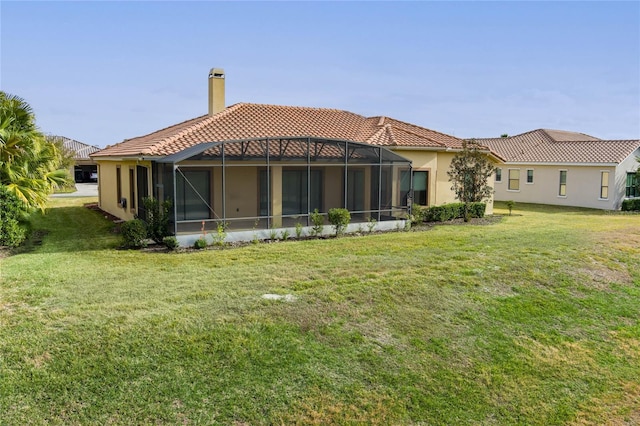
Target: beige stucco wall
[[582, 190], [437, 163], [107, 189]]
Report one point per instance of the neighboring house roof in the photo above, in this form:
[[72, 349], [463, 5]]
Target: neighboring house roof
[[82, 151], [247, 121], [559, 146]]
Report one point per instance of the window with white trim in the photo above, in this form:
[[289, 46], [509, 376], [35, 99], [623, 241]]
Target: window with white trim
[[562, 190], [498, 174], [604, 185], [529, 175], [514, 180]]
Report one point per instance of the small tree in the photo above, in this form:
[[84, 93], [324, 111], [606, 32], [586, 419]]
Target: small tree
[[469, 173], [157, 218], [510, 205]]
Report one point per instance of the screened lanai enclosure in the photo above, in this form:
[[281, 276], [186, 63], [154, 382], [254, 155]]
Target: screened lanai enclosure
[[269, 183]]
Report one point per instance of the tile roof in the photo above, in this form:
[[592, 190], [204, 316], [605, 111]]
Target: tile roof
[[559, 146], [82, 151], [247, 121]]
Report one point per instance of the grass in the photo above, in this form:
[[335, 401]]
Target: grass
[[532, 320]]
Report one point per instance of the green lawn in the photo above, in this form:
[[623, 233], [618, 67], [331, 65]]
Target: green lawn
[[532, 320]]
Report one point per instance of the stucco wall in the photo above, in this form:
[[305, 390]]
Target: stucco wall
[[107, 189], [582, 190], [437, 163]]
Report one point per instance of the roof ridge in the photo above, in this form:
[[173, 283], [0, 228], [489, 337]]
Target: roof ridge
[[375, 135], [389, 129], [416, 134], [425, 128], [566, 131], [305, 108]]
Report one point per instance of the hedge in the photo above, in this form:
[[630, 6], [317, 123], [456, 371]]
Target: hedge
[[631, 205], [13, 228], [451, 211]]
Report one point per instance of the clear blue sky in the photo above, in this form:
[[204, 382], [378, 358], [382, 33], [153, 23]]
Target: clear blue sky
[[100, 72]]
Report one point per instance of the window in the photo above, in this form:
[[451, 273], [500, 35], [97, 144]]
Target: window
[[420, 186], [118, 185], [632, 189], [562, 191], [132, 189], [355, 190], [498, 174], [193, 194], [514, 179], [294, 192], [529, 175], [264, 184], [604, 185]]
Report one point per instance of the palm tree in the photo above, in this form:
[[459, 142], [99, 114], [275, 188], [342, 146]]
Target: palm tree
[[29, 162]]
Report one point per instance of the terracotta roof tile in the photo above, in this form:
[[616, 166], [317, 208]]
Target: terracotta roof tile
[[559, 146], [247, 121]]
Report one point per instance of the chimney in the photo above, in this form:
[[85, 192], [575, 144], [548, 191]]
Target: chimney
[[216, 90]]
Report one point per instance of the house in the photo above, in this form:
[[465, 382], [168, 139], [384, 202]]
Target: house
[[255, 167], [85, 168], [565, 168]]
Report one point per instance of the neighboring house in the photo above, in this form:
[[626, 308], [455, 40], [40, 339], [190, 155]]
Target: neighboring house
[[85, 168], [257, 167], [565, 168]]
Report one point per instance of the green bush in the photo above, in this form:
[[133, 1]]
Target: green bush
[[171, 242], [452, 211], [13, 226], [157, 218], [134, 233], [339, 218], [417, 214], [318, 223], [477, 209], [200, 243], [631, 205]]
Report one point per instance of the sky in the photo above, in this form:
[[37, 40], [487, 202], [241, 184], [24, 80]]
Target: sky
[[100, 72]]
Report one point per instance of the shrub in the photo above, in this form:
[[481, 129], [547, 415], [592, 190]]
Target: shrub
[[339, 218], [510, 205], [171, 242], [417, 214], [631, 205], [477, 209], [318, 223], [371, 224], [157, 218], [200, 243], [452, 211], [221, 234], [13, 227], [134, 233], [298, 230]]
